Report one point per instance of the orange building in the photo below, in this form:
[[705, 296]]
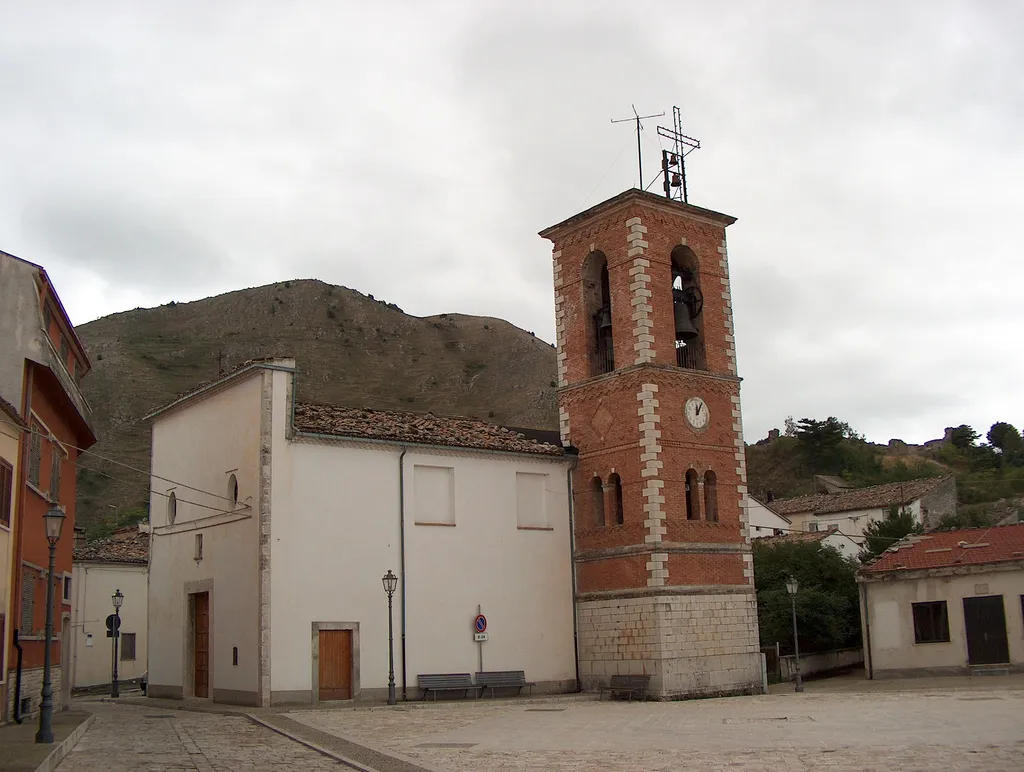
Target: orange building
[[41, 363]]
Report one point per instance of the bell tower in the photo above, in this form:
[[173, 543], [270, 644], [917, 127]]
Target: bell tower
[[649, 395]]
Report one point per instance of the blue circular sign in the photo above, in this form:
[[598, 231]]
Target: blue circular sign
[[480, 623]]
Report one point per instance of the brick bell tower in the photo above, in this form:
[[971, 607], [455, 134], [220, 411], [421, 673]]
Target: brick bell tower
[[648, 394]]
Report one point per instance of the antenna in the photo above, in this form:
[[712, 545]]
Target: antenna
[[639, 156], [682, 146]]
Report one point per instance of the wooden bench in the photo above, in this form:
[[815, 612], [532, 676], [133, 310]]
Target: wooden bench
[[627, 685], [446, 682], [501, 679]]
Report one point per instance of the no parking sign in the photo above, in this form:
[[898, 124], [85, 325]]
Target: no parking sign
[[480, 628]]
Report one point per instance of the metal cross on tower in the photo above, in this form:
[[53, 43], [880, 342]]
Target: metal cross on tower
[[673, 162]]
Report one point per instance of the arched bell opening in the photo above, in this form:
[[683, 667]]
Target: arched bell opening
[[692, 495], [616, 485], [597, 497], [710, 497], [597, 309], [688, 308]]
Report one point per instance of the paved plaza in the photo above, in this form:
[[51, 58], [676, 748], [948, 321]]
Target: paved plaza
[[947, 725]]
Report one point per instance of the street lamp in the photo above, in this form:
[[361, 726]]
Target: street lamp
[[390, 582], [118, 599], [54, 522], [792, 587]]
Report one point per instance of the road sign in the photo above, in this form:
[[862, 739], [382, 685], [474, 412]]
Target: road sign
[[478, 637], [113, 625], [480, 623]]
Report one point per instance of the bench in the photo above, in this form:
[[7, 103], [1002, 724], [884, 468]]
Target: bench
[[446, 682], [627, 685], [501, 679]]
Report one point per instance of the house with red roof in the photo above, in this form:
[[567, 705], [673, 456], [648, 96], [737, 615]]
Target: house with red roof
[[946, 603], [840, 542]]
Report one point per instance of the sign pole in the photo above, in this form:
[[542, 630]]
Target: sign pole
[[480, 645]]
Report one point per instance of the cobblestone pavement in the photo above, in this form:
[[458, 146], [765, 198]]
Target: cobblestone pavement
[[124, 738], [937, 728]]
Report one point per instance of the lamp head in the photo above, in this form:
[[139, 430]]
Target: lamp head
[[118, 599], [54, 521], [390, 582], [792, 585]]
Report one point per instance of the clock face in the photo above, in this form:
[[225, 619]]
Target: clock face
[[696, 411]]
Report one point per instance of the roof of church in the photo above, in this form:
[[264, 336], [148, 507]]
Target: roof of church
[[417, 428], [126, 545], [858, 498], [940, 549]]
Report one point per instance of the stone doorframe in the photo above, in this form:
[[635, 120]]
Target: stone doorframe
[[317, 627], [188, 682]]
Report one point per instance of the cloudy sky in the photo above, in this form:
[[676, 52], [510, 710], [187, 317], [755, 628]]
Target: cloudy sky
[[872, 152]]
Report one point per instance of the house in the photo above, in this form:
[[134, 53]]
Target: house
[[850, 511], [11, 429], [273, 523], [40, 367], [763, 520], [840, 542], [946, 603], [103, 567]]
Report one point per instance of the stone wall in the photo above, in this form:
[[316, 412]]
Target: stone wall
[[820, 662], [31, 686]]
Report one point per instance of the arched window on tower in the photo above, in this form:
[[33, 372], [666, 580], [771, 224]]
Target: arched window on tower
[[597, 309], [688, 307], [710, 497], [692, 495], [597, 496], [616, 485]]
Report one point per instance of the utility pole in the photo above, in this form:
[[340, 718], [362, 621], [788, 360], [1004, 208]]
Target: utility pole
[[639, 155]]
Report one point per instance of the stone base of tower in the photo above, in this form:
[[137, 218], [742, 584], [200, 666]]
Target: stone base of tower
[[698, 644]]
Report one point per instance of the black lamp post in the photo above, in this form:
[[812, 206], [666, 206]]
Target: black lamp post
[[390, 582], [54, 520], [118, 599], [792, 587]]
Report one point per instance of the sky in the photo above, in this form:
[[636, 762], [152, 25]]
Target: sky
[[871, 151]]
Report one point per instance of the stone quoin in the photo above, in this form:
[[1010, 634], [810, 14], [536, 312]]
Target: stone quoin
[[664, 573]]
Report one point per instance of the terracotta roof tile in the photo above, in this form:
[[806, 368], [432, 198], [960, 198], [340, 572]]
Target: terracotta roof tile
[[938, 549], [126, 545], [858, 498], [796, 537], [12, 412], [418, 428]]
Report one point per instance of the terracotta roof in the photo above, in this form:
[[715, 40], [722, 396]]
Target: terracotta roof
[[796, 537], [419, 428], [11, 411], [971, 546], [858, 498], [126, 545]]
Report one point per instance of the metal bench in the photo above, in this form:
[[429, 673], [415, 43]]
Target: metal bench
[[501, 679], [627, 685], [446, 682]]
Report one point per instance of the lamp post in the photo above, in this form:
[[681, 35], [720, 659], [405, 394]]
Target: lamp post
[[390, 582], [792, 587], [118, 599], [54, 521]]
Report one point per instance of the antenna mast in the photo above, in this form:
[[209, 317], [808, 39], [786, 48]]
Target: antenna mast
[[682, 146], [639, 155]]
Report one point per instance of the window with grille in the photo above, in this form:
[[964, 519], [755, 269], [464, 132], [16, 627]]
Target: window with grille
[[931, 624], [47, 318], [6, 492], [63, 351], [28, 600], [127, 647], [67, 589], [35, 454], [56, 457]]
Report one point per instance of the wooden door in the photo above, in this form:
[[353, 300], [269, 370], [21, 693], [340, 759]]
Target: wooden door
[[335, 664], [986, 630], [201, 644]]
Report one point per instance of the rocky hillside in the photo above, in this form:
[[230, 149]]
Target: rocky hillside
[[350, 349]]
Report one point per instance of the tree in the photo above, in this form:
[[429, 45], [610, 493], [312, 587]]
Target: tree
[[879, 535], [821, 443], [827, 603], [1004, 436], [964, 519], [963, 436]]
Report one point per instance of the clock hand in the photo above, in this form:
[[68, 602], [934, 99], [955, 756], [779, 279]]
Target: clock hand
[[699, 406]]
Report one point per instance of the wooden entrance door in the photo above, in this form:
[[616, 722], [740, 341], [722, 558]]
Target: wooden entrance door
[[201, 644], [985, 622], [335, 664]]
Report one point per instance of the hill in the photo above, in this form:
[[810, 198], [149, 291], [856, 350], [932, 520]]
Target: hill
[[350, 349]]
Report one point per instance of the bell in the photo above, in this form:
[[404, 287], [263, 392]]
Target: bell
[[684, 327], [604, 319], [676, 180]]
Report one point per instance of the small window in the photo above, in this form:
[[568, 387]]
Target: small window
[[233, 490], [531, 504], [711, 496], [434, 495], [35, 454], [234, 656], [812, 527], [47, 319], [616, 485], [931, 624], [199, 547], [692, 495], [127, 647], [63, 351], [172, 508], [28, 601], [833, 526], [6, 492], [597, 499], [56, 458], [67, 589]]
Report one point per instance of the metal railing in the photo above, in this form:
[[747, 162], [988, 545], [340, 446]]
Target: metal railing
[[691, 356], [602, 361]]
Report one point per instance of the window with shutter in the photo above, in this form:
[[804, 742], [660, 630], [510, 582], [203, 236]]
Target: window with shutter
[[28, 600], [6, 492], [127, 647], [56, 457], [35, 453]]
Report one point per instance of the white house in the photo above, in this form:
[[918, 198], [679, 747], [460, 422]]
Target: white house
[[946, 603], [763, 520], [101, 568], [850, 511], [841, 543], [273, 524]]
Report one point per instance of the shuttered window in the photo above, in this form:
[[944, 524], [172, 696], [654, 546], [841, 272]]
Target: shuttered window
[[56, 457], [28, 600], [35, 454], [6, 492], [127, 647]]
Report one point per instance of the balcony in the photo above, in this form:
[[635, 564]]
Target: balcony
[[691, 355]]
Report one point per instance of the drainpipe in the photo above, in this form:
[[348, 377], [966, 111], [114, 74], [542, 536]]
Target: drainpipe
[[572, 563], [867, 631], [401, 557], [17, 681]]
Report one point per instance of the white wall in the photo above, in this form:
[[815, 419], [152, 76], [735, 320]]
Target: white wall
[[764, 522], [92, 587], [335, 533], [201, 446], [853, 522], [891, 619]]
